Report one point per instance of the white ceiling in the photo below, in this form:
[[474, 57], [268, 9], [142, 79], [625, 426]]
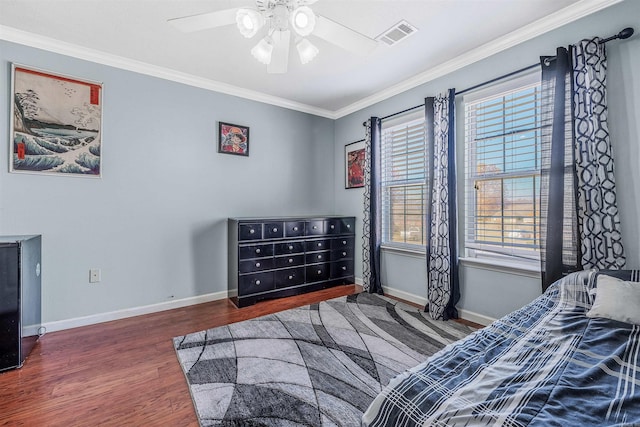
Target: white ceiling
[[134, 34]]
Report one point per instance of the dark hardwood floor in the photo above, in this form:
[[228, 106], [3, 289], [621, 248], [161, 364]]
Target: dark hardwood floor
[[124, 372]]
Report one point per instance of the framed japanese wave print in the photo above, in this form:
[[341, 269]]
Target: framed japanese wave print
[[56, 124]]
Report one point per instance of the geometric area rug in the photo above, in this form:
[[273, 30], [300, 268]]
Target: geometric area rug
[[317, 365]]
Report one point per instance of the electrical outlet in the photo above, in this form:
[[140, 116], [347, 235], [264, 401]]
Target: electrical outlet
[[94, 275]]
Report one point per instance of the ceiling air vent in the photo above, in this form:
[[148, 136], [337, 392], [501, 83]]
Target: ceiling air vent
[[397, 33]]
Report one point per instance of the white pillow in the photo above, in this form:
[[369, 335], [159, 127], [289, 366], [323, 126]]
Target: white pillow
[[617, 300]]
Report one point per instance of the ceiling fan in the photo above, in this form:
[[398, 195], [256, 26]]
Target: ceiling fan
[[282, 20]]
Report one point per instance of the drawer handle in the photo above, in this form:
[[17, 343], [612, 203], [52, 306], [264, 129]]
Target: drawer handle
[[344, 242], [295, 228], [252, 231], [319, 244], [319, 256], [290, 260], [290, 277], [258, 250], [257, 282], [315, 227], [344, 254], [290, 247], [344, 268], [333, 226], [257, 264], [348, 225], [275, 230], [319, 271]]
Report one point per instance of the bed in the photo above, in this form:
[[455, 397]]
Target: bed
[[546, 364]]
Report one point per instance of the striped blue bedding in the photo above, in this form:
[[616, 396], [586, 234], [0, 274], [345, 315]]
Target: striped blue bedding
[[546, 364]]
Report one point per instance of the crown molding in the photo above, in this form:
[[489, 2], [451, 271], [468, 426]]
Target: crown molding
[[556, 20], [52, 45], [562, 17]]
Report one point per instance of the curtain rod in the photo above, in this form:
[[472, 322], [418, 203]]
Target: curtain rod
[[462, 91], [623, 34]]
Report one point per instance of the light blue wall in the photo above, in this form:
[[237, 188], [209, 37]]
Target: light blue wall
[[495, 293], [155, 222]]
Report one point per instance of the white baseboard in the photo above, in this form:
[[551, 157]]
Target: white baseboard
[[60, 325], [416, 299], [93, 319], [475, 317]]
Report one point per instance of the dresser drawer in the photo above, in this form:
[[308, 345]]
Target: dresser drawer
[[341, 269], [273, 230], [294, 228], [258, 264], [342, 242], [316, 257], [347, 225], [313, 228], [289, 248], [250, 232], [256, 251], [317, 273], [316, 245], [289, 261], [332, 226], [256, 282], [289, 277], [344, 253]]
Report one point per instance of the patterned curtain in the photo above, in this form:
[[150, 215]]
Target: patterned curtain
[[580, 226], [443, 290], [598, 220], [372, 207]]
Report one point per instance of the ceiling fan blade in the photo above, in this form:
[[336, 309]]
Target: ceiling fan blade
[[280, 54], [204, 21], [342, 36]]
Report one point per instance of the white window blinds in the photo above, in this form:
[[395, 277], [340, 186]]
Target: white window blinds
[[403, 180], [502, 170]]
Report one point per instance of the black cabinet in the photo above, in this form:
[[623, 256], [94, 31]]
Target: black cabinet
[[20, 298], [275, 257]]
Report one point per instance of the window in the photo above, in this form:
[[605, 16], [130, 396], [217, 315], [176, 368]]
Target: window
[[502, 170], [403, 181]]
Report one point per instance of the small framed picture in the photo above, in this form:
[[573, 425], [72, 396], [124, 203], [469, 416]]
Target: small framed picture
[[233, 139], [354, 156]]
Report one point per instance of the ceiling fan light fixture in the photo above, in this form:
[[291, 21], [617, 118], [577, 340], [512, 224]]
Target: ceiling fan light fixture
[[262, 51], [306, 50], [249, 22], [303, 20], [278, 21]]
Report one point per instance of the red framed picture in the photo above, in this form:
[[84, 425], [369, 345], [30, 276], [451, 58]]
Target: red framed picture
[[233, 139], [354, 157]]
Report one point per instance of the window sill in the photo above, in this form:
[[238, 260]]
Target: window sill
[[520, 269]]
